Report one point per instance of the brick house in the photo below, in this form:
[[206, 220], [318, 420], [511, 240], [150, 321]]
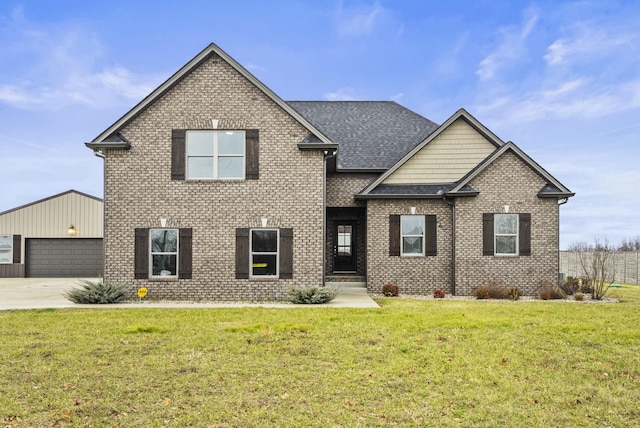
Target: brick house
[[215, 188]]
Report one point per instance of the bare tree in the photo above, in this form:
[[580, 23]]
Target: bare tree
[[633, 244], [598, 265]]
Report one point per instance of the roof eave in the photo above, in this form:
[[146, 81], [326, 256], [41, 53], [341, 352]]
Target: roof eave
[[558, 195], [317, 146], [125, 145], [398, 196]]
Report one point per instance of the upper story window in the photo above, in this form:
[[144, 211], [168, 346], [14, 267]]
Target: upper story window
[[412, 235], [215, 155], [6, 248], [506, 234], [163, 245]]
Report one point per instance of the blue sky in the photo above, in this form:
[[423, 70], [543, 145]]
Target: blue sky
[[561, 79]]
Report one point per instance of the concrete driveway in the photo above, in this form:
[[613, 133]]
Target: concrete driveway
[[42, 293]]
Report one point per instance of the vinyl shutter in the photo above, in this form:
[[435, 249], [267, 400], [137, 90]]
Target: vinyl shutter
[[286, 253], [431, 239], [524, 234], [394, 235], [487, 234], [184, 253], [178, 153], [141, 257], [252, 153], [242, 253]]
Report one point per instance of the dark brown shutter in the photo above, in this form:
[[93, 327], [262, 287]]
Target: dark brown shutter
[[286, 253], [431, 231], [17, 247], [242, 253], [141, 256], [525, 234], [178, 153], [184, 255], [487, 234], [394, 235], [252, 160]]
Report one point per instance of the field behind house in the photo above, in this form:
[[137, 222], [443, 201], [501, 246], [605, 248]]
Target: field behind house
[[410, 363]]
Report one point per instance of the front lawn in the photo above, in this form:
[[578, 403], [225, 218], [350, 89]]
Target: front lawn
[[410, 363]]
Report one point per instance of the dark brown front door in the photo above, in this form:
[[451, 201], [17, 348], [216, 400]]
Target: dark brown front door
[[344, 248]]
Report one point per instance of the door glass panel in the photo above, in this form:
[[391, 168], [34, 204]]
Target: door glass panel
[[344, 240]]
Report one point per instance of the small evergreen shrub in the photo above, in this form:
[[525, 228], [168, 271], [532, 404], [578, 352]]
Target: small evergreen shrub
[[312, 295], [97, 293], [438, 294], [390, 290], [578, 296]]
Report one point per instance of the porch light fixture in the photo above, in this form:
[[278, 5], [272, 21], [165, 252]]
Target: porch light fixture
[[71, 231], [264, 221], [413, 210]]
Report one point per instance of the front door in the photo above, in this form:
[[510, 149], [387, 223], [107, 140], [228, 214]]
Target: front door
[[344, 248]]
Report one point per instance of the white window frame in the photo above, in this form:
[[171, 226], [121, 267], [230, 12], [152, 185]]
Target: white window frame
[[168, 253], [256, 253], [514, 235], [8, 250], [216, 156], [406, 235]]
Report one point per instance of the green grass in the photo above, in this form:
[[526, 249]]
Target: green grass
[[410, 363]]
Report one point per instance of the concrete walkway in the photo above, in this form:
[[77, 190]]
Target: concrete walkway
[[44, 293]]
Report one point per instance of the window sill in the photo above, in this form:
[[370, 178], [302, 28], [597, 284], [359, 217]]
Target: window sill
[[164, 278]]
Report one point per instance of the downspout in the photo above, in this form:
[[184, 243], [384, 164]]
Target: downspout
[[560, 202], [326, 155], [452, 204]]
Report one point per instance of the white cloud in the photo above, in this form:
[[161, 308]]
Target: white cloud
[[342, 94], [510, 49], [587, 42], [359, 22], [57, 66]]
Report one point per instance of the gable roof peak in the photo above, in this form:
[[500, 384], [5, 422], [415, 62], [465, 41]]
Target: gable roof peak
[[212, 48]]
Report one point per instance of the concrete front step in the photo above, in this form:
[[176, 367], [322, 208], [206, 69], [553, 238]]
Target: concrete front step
[[351, 287]]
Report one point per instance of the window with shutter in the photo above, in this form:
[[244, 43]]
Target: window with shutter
[[506, 234]]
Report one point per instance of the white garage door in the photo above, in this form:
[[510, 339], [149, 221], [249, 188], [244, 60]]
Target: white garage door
[[63, 258]]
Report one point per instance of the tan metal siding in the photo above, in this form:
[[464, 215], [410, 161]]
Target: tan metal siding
[[52, 217], [446, 159]]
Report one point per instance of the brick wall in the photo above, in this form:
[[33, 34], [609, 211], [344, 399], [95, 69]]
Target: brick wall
[[342, 186], [507, 181], [414, 275], [139, 190]]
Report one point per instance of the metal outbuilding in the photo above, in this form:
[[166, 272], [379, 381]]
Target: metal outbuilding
[[55, 237]]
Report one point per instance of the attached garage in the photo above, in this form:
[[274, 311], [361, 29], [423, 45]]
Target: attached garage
[[63, 258], [56, 237]]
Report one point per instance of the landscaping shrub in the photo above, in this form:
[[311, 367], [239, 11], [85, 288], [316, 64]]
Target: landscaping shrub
[[97, 293], [312, 295], [482, 293], [571, 285], [390, 290], [514, 293], [438, 294], [578, 296], [553, 293]]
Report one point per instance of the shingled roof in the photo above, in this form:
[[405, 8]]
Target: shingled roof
[[371, 135]]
